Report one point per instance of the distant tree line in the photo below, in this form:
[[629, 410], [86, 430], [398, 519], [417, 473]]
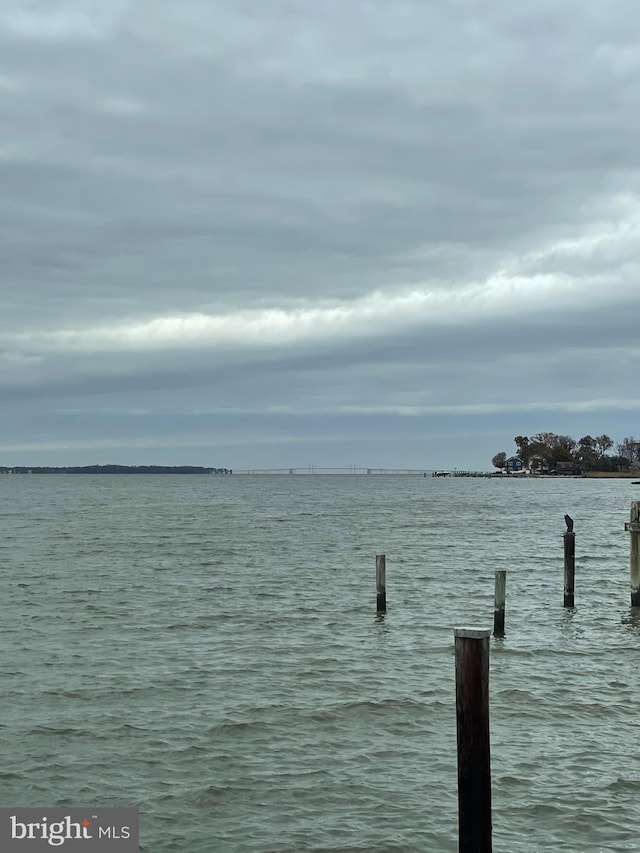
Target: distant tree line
[[115, 469], [546, 451]]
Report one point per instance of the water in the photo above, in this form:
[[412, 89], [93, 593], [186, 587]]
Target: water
[[207, 649]]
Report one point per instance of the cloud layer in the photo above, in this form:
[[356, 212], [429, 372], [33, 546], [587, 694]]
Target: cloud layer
[[250, 231]]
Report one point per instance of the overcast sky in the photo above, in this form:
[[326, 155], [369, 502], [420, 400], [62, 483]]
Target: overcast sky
[[272, 233]]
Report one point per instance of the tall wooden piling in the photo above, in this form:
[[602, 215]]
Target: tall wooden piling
[[381, 583], [569, 567], [499, 603], [472, 722], [634, 552]]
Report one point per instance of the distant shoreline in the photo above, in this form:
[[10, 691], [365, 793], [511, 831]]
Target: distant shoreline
[[611, 475], [196, 469], [113, 469]]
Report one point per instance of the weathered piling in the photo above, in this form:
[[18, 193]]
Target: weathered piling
[[634, 551], [499, 603], [474, 755], [569, 567], [569, 562], [381, 583]]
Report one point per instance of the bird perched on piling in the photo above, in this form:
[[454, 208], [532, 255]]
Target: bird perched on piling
[[569, 522]]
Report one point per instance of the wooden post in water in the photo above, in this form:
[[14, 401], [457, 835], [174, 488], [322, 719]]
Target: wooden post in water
[[474, 758], [634, 552], [499, 603], [381, 583], [569, 568], [569, 562]]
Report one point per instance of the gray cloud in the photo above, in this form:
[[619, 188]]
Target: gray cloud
[[305, 211]]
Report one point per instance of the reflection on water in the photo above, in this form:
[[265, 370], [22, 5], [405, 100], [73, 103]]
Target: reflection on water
[[570, 625], [631, 619]]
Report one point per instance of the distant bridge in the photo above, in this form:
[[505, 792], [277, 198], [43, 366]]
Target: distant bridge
[[357, 469], [320, 469]]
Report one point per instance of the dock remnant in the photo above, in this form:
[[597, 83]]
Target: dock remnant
[[381, 583], [474, 754], [633, 526], [569, 563], [499, 603]]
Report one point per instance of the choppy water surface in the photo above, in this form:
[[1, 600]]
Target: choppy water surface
[[207, 649]]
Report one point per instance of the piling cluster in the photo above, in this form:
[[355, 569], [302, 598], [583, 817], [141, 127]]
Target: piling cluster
[[472, 686]]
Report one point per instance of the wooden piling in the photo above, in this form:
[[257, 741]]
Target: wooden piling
[[381, 583], [569, 568], [472, 723], [634, 552], [499, 603]]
